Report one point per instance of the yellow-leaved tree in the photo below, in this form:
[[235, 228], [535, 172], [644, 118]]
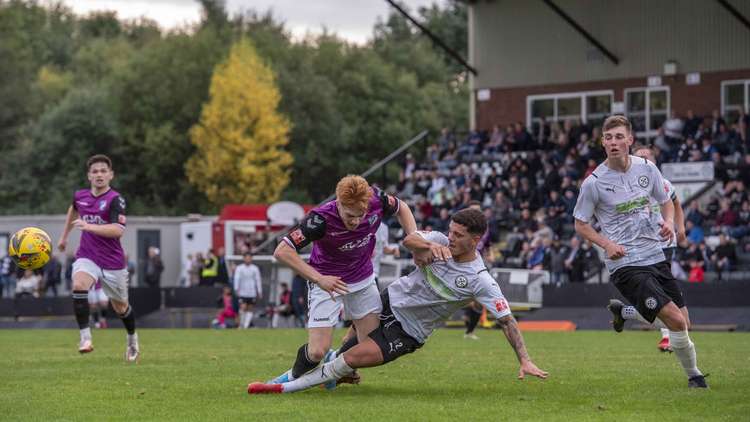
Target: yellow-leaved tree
[[240, 156]]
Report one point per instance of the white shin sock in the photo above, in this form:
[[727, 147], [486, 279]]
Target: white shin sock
[[333, 370], [684, 349]]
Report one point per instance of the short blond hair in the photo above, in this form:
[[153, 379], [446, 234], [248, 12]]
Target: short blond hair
[[353, 191], [617, 120]]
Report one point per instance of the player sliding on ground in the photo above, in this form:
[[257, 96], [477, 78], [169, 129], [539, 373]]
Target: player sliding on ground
[[450, 275], [619, 193], [340, 271]]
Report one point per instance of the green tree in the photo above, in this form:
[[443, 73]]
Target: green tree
[[50, 161], [239, 141]]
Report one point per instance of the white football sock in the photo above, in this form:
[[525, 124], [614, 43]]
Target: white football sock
[[86, 333], [664, 332], [629, 312], [249, 319], [242, 320], [685, 350], [333, 370]]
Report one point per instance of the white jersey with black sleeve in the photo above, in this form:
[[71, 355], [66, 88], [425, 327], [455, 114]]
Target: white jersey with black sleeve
[[621, 203], [424, 299]]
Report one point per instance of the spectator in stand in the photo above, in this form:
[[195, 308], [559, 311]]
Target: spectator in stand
[[716, 122], [554, 220], [694, 214], [673, 133], [131, 270], [707, 149], [742, 228], [441, 223], [527, 195], [523, 139], [526, 222], [694, 233], [209, 269], [154, 267], [555, 202], [535, 259], [737, 194], [557, 257], [724, 256], [7, 277], [686, 149], [52, 272], [28, 285], [299, 299], [726, 218], [692, 124], [222, 276], [697, 274], [227, 309], [283, 312], [69, 271]]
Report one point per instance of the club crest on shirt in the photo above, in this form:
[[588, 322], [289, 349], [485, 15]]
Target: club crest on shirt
[[643, 181], [461, 281], [372, 219], [102, 204]]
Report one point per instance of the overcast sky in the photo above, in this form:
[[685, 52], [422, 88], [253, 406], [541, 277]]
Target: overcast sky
[[350, 19]]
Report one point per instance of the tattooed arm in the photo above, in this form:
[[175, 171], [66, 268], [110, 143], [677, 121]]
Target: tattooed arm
[[515, 339]]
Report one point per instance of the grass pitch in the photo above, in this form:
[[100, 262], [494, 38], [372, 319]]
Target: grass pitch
[[202, 375]]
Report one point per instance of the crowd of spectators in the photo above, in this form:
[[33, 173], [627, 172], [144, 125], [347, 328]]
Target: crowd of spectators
[[528, 184]]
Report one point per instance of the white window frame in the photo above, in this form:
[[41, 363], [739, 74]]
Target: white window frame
[[563, 95], [746, 83], [648, 89]]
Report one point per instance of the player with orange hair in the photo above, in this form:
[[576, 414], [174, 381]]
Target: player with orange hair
[[339, 272]]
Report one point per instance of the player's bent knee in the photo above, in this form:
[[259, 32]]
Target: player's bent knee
[[119, 307]]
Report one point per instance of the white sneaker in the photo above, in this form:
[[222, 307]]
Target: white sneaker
[[471, 336], [132, 352], [85, 346]]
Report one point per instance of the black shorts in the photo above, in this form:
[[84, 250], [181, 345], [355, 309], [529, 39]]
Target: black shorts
[[393, 341], [648, 288], [248, 300]]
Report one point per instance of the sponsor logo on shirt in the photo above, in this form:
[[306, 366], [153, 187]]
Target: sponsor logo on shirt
[[320, 319], [356, 244], [632, 205], [93, 219], [501, 305]]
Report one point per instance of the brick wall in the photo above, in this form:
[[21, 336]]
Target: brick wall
[[508, 105]]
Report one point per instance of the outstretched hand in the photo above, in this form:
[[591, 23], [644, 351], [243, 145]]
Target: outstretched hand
[[528, 368]]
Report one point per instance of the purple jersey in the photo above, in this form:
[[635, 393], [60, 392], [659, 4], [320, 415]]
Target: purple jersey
[[107, 208], [336, 250]]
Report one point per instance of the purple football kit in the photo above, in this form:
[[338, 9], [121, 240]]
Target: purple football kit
[[343, 253], [102, 257]]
